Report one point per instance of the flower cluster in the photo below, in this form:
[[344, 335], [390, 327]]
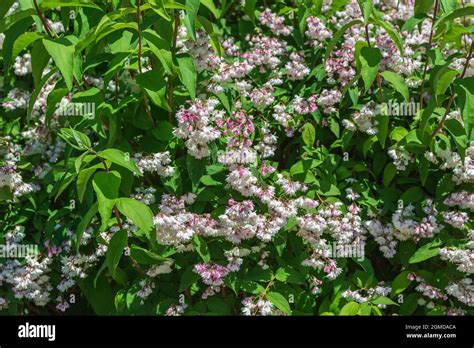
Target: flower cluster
[[195, 126], [370, 294]]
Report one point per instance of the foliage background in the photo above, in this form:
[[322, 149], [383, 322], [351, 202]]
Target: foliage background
[[344, 171]]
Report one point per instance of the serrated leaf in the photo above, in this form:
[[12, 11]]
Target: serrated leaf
[[369, 59], [426, 252], [85, 221], [144, 256], [25, 40], [279, 301], [137, 212], [309, 134], [155, 87], [76, 139], [400, 283], [106, 186], [397, 82], [189, 278], [351, 308], [115, 250], [62, 52], [190, 16], [188, 75], [201, 247], [120, 158], [287, 274], [384, 301]]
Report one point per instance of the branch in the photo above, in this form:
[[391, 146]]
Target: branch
[[451, 99], [44, 21]]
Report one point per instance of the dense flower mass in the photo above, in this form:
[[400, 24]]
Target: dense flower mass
[[246, 160]]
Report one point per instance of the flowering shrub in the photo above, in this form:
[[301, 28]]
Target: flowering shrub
[[252, 158]]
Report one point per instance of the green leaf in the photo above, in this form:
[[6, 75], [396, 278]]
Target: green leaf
[[196, 168], [465, 90], [393, 33], [209, 181], [366, 7], [443, 78], [259, 274], [155, 87], [120, 158], [412, 22], [426, 252], [15, 18], [188, 75], [215, 39], [144, 256], [409, 305], [100, 295], [445, 185], [106, 186], [189, 278], [226, 100], [190, 17], [23, 41], [448, 6], [83, 178], [250, 8], [76, 139], [201, 247], [137, 212], [115, 250], [384, 301], [365, 264], [52, 4], [369, 59], [5, 193], [460, 12], [159, 7], [218, 306], [423, 166], [309, 134], [5, 5], [163, 131], [161, 48], [397, 82], [85, 221], [62, 52], [389, 173], [423, 6], [365, 309], [211, 7], [383, 123], [279, 301], [289, 275], [351, 308], [413, 194], [39, 60], [65, 181], [458, 132], [400, 283]]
